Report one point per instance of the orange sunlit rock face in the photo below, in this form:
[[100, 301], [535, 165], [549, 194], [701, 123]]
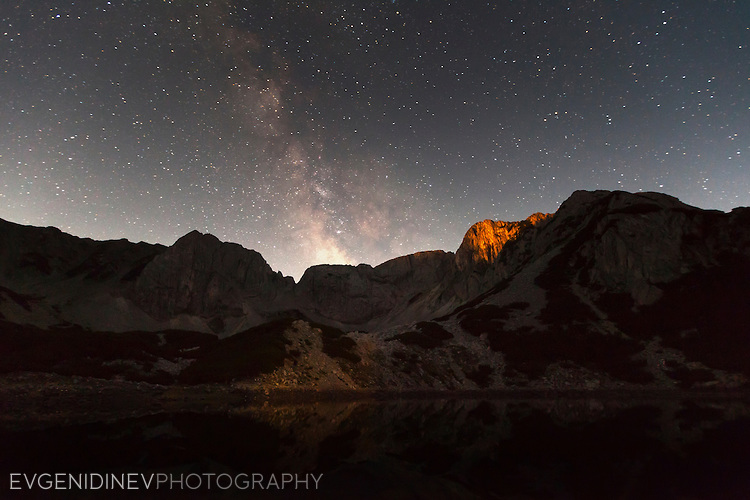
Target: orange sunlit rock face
[[484, 240]]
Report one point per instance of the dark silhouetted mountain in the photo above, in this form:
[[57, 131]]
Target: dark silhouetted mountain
[[365, 296], [203, 277]]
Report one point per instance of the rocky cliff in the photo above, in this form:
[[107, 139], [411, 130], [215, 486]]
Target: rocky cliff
[[366, 297], [485, 240], [201, 276]]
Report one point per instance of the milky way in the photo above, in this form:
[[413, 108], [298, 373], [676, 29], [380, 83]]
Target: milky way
[[348, 132]]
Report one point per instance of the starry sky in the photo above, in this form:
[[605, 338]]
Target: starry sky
[[348, 132]]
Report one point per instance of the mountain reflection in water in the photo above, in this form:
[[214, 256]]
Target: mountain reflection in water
[[536, 448]]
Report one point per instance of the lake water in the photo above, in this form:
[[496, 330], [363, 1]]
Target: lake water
[[535, 448]]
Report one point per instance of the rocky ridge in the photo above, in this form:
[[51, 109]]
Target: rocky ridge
[[615, 290], [200, 283]]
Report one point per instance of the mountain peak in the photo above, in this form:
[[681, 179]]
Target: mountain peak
[[194, 237], [582, 202]]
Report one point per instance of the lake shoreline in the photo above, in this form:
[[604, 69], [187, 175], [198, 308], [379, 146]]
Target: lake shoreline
[[31, 397]]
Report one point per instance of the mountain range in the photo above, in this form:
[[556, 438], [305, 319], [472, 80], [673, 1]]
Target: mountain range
[[615, 290]]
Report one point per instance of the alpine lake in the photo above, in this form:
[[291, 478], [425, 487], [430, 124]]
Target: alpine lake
[[637, 446]]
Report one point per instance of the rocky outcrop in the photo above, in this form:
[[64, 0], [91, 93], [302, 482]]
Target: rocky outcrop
[[57, 278], [200, 275], [361, 296], [485, 240], [31, 256], [633, 243]]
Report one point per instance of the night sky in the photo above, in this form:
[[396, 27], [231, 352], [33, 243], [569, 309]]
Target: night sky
[[347, 132]]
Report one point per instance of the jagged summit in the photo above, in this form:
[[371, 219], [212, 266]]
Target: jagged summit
[[195, 236]]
